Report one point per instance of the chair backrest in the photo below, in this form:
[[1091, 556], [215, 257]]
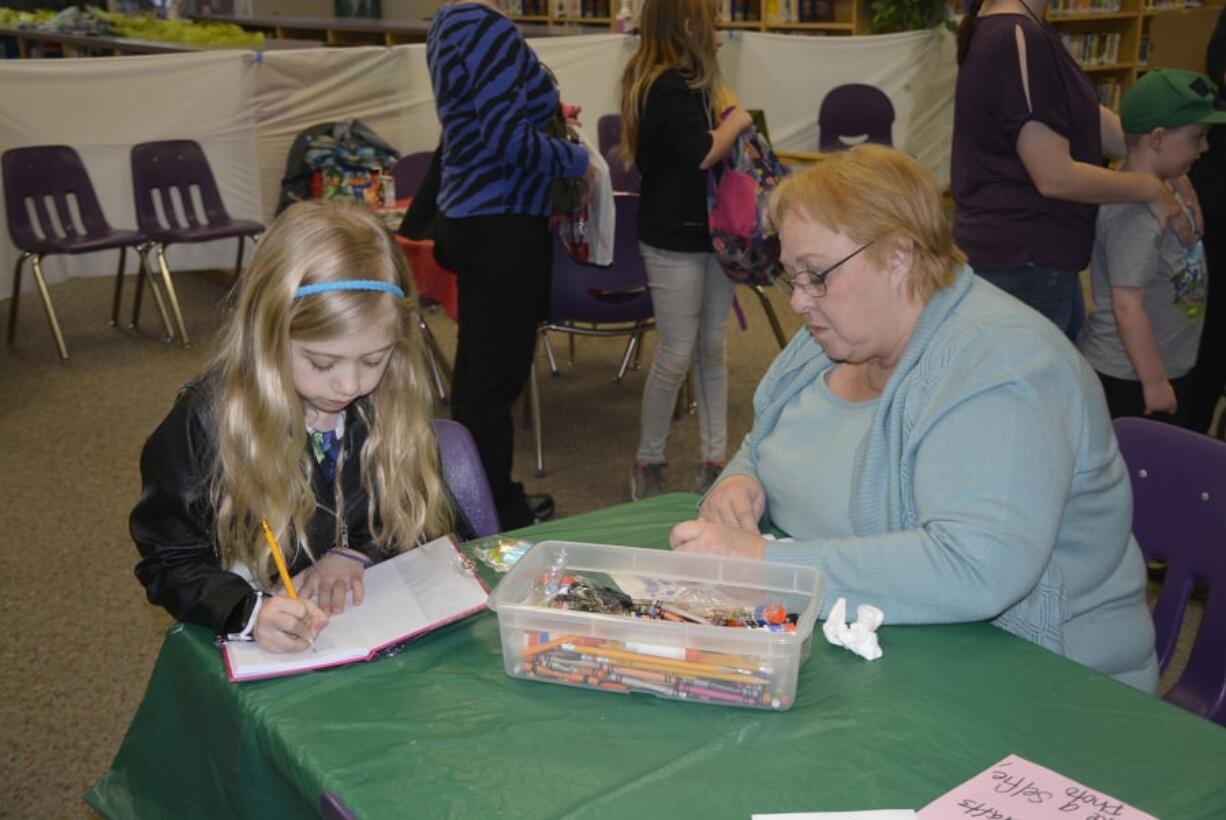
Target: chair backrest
[[173, 183], [614, 294], [1179, 518], [609, 137], [465, 477], [41, 185], [409, 171], [853, 113]]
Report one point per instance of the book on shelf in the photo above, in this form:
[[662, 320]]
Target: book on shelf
[[407, 596], [1109, 93], [1094, 48], [1066, 8], [784, 12]]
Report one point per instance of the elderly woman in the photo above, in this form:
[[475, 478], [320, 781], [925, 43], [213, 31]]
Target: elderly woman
[[934, 446]]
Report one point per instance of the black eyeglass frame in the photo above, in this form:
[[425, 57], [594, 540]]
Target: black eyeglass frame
[[816, 286]]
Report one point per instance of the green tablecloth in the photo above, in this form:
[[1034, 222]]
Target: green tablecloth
[[440, 730]]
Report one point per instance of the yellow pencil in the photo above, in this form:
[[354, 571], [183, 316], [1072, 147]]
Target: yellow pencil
[[279, 559]]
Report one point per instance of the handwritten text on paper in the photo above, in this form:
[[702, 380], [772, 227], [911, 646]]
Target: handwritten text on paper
[[1016, 789]]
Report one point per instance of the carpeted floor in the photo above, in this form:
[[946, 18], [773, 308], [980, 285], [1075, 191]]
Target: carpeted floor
[[79, 640]]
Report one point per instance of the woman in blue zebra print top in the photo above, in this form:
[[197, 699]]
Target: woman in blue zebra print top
[[494, 99]]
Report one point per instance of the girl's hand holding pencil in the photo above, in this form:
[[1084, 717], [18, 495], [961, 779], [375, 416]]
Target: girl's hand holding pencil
[[286, 623]]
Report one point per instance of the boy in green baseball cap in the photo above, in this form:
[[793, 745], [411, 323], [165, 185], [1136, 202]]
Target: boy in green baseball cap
[[1149, 290]]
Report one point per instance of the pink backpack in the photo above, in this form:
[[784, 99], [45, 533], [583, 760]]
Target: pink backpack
[[745, 244]]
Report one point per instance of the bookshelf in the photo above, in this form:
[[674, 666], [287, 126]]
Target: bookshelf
[[1109, 38], [811, 17]]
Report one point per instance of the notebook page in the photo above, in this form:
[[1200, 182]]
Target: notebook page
[[417, 590], [341, 641]]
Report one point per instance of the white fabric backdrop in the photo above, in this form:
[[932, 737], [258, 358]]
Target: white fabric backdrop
[[245, 109], [104, 106]]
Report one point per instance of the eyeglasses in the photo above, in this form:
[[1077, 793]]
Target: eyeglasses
[[810, 283]]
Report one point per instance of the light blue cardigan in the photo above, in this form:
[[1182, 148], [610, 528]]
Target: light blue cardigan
[[989, 487]]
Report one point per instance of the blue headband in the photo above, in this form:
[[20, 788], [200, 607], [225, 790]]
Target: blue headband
[[349, 284]]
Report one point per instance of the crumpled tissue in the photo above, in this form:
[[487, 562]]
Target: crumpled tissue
[[861, 636]]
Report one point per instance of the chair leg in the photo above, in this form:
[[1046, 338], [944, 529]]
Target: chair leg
[[631, 345], [12, 331], [41, 281], [553, 361], [570, 339], [238, 261], [123, 255], [770, 316], [534, 403], [144, 273], [433, 355], [638, 352], [170, 294]]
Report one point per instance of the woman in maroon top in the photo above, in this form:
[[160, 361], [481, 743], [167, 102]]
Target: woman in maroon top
[[1027, 169]]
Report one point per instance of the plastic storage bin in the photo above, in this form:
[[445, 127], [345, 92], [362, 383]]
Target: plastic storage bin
[[756, 668]]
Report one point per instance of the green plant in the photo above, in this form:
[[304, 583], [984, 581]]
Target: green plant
[[891, 16]]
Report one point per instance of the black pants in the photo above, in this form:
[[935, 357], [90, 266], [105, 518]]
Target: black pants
[[1124, 398], [502, 265]]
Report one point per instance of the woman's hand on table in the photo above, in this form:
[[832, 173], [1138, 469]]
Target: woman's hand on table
[[735, 501], [711, 538], [330, 579], [287, 625]]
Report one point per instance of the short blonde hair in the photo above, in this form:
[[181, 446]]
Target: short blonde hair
[[876, 193]]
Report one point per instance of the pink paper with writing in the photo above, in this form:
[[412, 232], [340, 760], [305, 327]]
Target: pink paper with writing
[[1016, 789]]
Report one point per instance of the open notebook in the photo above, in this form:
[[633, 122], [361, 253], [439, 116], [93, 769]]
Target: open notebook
[[406, 596]]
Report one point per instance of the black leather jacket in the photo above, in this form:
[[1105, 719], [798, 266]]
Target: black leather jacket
[[173, 523]]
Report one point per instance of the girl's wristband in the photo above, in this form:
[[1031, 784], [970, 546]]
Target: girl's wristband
[[351, 555]]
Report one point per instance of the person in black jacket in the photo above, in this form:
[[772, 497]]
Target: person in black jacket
[[315, 417], [671, 93], [1207, 379]]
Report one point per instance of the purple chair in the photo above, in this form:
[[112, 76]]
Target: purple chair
[[409, 171], [586, 300], [465, 477], [1179, 518], [164, 176], [609, 136], [853, 113], [40, 184]]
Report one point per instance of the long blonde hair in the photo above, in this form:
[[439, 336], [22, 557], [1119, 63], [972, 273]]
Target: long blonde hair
[[665, 43], [262, 468]]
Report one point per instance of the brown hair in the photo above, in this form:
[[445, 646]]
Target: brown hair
[[665, 43], [966, 29], [876, 193]]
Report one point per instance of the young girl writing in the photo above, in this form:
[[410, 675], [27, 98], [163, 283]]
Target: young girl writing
[[314, 417], [671, 95]]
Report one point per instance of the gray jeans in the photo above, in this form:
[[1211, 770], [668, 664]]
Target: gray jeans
[[691, 296]]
